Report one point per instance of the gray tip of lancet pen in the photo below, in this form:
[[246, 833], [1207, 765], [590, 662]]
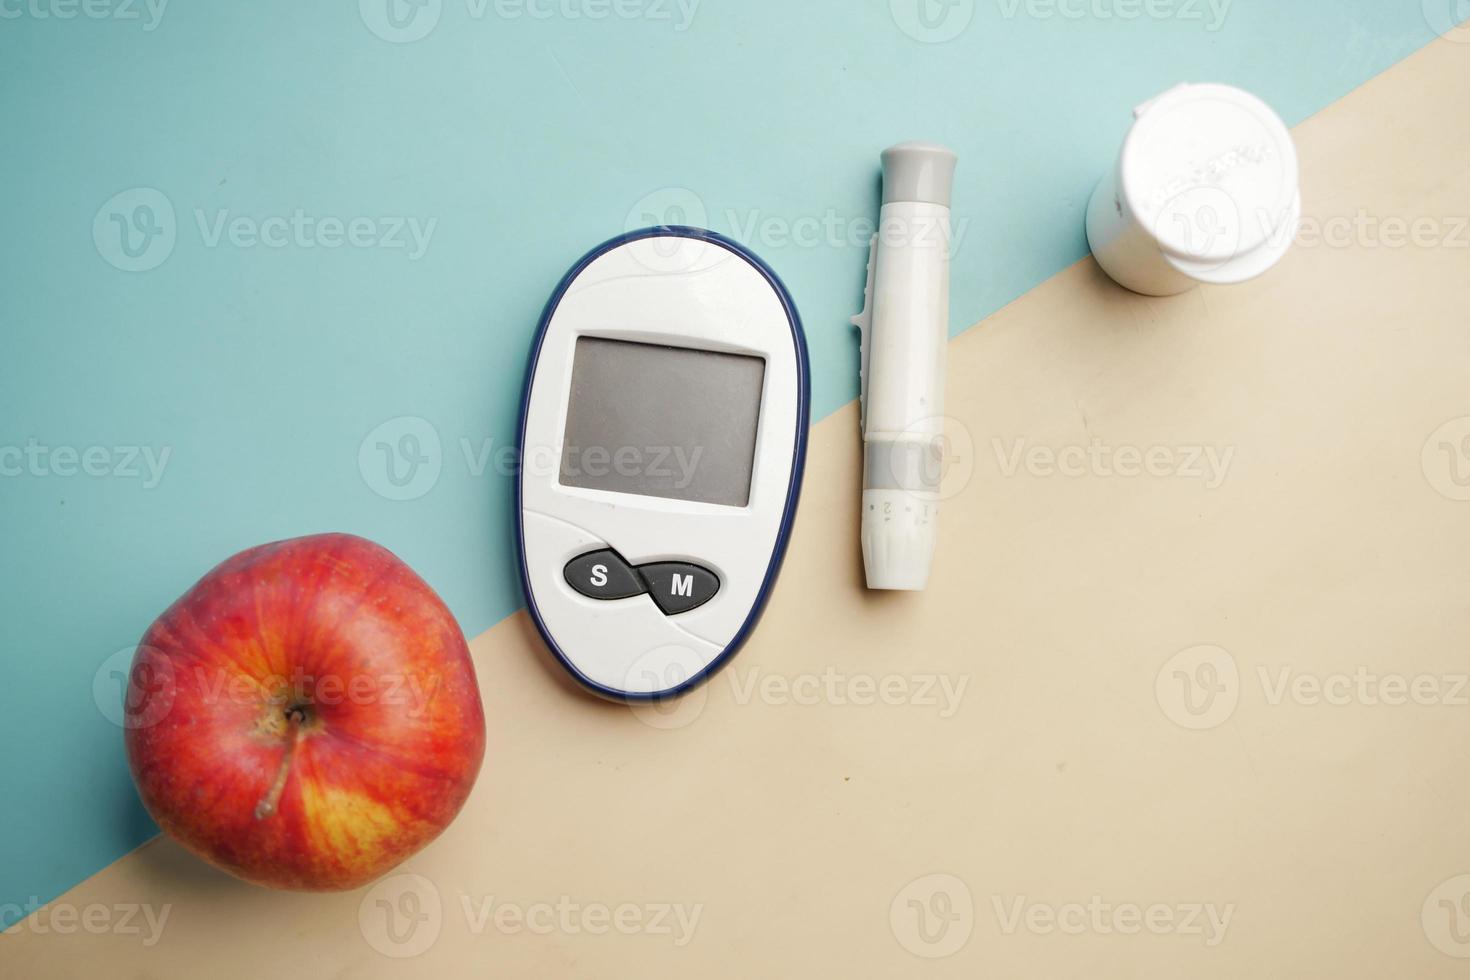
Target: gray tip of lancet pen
[[920, 173]]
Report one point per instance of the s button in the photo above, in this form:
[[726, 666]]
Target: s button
[[603, 575]]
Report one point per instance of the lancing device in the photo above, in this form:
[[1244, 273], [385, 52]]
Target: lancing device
[[905, 330]]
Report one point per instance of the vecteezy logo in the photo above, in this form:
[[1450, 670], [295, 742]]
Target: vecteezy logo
[[933, 916], [667, 206], [401, 916], [152, 682], [932, 21], [1449, 18], [1446, 459], [1199, 688], [1203, 222], [401, 459], [135, 230], [948, 464], [400, 21], [1446, 917], [662, 669]]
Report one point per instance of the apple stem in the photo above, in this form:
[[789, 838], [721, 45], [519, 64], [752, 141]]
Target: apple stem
[[272, 798]]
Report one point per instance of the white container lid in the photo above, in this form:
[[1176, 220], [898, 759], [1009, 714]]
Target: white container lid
[[1210, 172]]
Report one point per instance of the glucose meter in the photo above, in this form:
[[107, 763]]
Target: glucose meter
[[663, 438]]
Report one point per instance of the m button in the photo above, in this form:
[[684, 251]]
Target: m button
[[678, 587]]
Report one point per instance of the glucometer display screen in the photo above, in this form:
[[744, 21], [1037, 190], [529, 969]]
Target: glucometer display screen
[[662, 421]]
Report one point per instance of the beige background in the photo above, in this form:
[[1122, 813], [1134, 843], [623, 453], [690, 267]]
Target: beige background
[[1064, 616]]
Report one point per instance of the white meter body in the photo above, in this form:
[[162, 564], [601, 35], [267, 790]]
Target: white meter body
[[662, 444]]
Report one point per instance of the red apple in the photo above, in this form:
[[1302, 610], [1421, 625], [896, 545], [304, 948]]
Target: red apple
[[306, 716]]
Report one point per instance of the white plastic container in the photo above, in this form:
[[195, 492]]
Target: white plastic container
[[1206, 189]]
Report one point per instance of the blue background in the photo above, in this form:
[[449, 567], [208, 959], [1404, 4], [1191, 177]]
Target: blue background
[[525, 140]]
